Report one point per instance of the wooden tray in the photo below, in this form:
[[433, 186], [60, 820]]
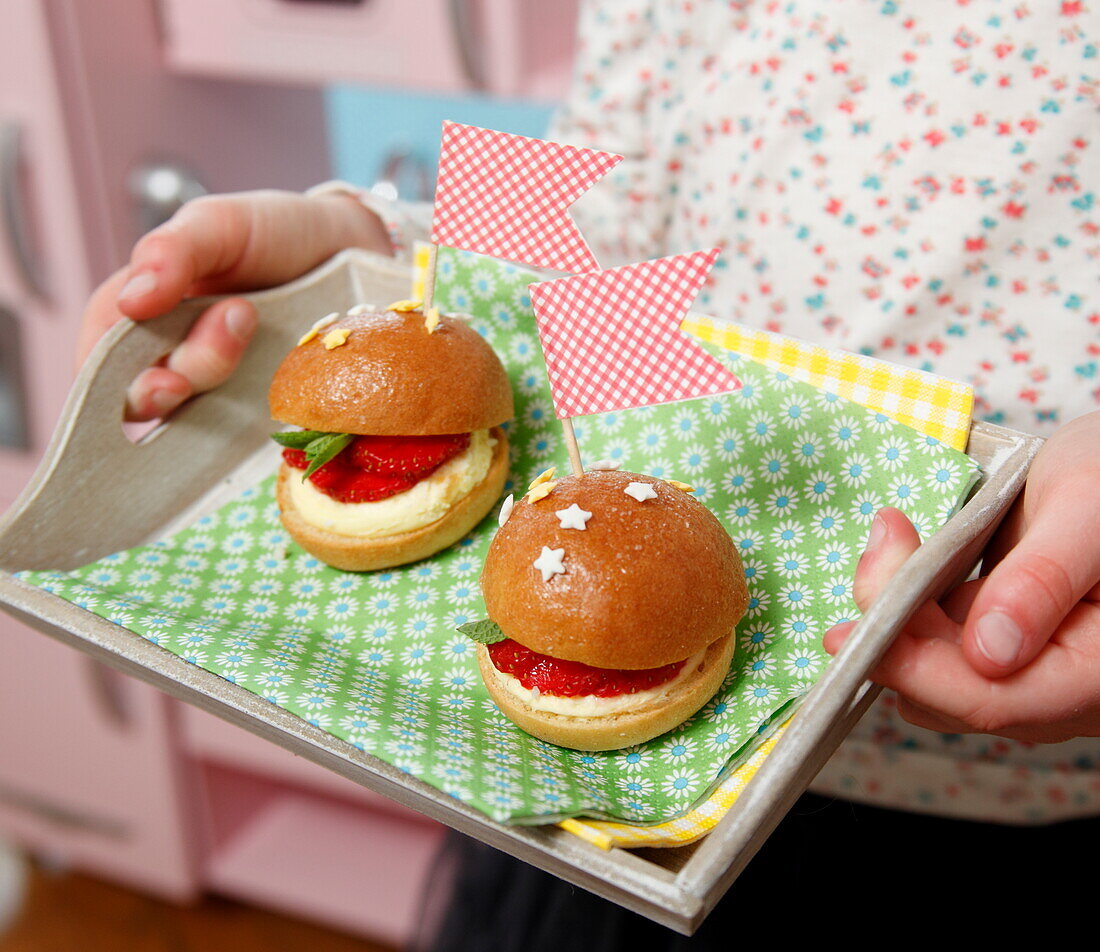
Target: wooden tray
[[96, 493]]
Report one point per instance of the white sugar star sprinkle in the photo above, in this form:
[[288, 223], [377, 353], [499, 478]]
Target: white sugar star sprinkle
[[605, 464], [550, 563], [641, 491], [574, 517], [506, 509]]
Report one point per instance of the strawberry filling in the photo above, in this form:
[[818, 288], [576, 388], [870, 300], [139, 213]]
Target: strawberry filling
[[571, 678], [370, 468]]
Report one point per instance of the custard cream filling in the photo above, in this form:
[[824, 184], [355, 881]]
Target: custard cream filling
[[589, 705], [413, 509]]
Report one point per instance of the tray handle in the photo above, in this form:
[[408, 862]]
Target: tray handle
[[89, 449], [50, 525]]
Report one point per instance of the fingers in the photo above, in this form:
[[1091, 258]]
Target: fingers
[[1036, 584], [1052, 699], [100, 315], [205, 360], [930, 720], [835, 637], [956, 604], [215, 344], [891, 541], [216, 245], [203, 239], [155, 393], [239, 242]]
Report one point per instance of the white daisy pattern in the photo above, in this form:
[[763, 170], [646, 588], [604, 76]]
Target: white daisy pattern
[[794, 474]]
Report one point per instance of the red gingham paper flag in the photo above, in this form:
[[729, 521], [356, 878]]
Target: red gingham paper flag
[[612, 339], [508, 196]]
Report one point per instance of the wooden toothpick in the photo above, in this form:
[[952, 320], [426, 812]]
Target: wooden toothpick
[[429, 278], [571, 445]]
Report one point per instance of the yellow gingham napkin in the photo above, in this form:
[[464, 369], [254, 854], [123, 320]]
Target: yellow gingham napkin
[[934, 406]]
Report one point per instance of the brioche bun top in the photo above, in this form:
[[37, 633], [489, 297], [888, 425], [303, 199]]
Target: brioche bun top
[[393, 378], [645, 583]]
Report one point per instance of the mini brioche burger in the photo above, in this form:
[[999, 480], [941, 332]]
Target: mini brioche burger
[[400, 451], [612, 601]]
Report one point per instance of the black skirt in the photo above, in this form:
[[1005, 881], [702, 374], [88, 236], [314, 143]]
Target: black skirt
[[831, 868]]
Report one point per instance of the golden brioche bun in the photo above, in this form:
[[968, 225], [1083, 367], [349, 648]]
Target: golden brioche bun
[[393, 378], [645, 583], [355, 554], [612, 731]]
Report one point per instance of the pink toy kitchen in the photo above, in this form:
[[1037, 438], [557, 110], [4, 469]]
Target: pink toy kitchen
[[525, 475], [111, 116]]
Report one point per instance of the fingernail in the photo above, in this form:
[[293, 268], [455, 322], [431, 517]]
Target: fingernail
[[877, 533], [140, 284], [163, 402], [999, 638], [241, 321]]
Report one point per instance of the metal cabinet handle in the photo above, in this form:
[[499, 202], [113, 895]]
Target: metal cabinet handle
[[160, 189], [471, 51], [15, 220], [404, 176]]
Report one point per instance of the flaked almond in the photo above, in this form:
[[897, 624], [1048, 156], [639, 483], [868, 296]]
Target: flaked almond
[[318, 326], [544, 476], [336, 338], [541, 491]]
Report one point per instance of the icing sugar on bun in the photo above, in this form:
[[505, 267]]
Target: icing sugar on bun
[[393, 378]]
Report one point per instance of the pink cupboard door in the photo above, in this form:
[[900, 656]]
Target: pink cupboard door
[[86, 757], [500, 47], [88, 770], [43, 277]]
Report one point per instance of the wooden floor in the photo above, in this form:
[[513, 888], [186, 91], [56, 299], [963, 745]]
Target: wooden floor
[[70, 911]]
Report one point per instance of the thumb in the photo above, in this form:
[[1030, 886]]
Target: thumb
[[1037, 584]]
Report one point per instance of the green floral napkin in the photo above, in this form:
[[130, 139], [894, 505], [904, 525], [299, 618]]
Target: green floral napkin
[[795, 473]]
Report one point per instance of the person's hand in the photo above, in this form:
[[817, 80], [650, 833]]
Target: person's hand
[[1016, 652], [218, 245]]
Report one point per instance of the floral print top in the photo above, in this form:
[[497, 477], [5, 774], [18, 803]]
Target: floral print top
[[917, 181]]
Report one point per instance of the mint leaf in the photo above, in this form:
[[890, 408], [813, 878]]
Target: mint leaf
[[484, 632], [320, 450], [297, 439]]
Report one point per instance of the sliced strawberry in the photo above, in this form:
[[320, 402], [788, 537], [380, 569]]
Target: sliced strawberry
[[571, 678], [346, 483], [370, 468], [354, 485], [409, 455], [296, 458]]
